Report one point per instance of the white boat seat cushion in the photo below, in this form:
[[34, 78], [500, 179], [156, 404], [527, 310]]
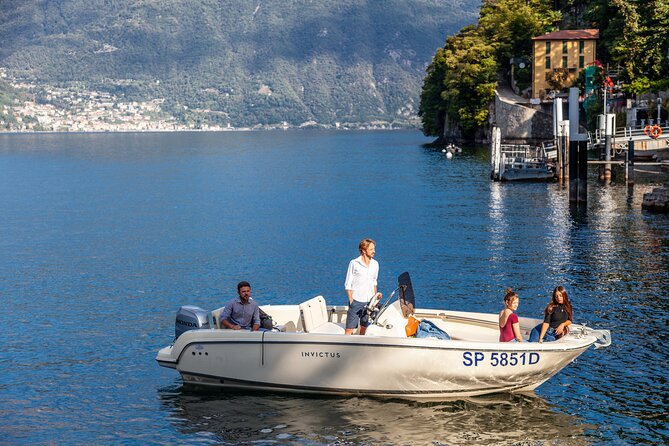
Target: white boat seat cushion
[[216, 316], [315, 317]]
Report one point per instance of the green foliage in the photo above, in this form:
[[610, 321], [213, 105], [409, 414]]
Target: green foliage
[[8, 96], [432, 108], [592, 110], [461, 81], [634, 34], [660, 85], [343, 60], [470, 80], [523, 77], [510, 25], [639, 85], [557, 78]]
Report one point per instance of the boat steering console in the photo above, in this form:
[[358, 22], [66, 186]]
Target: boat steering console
[[406, 297]]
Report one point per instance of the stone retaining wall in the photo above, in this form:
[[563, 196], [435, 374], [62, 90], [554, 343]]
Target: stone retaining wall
[[522, 124], [519, 123], [657, 200]]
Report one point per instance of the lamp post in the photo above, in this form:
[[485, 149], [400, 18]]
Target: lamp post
[[659, 107]]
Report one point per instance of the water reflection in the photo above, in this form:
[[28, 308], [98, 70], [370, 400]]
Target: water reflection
[[558, 240], [241, 418], [498, 221]]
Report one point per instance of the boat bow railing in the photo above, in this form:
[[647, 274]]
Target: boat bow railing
[[603, 336]]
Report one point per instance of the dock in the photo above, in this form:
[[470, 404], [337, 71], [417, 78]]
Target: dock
[[620, 140]]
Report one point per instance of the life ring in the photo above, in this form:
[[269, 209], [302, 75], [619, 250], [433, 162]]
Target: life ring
[[655, 131], [646, 129]]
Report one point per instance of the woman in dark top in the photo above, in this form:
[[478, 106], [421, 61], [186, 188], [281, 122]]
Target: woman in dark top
[[557, 318]]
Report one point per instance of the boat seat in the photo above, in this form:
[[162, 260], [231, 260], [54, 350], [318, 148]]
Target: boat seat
[[216, 316], [315, 317]]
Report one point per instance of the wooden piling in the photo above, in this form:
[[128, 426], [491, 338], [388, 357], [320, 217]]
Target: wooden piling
[[630, 161]]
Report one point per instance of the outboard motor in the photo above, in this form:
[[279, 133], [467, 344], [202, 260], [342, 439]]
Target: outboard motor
[[190, 317]]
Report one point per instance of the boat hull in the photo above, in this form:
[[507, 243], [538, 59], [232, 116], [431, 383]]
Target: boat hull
[[364, 365], [527, 174]]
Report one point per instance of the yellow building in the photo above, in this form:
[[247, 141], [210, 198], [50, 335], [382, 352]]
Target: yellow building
[[560, 56]]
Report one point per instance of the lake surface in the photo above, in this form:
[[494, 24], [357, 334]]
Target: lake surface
[[104, 236]]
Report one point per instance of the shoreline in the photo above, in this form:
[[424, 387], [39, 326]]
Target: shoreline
[[86, 132]]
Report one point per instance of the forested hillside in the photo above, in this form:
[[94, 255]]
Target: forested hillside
[[461, 80], [238, 62]]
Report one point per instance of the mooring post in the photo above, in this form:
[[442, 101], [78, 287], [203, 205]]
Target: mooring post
[[573, 170], [496, 155], [558, 167], [609, 128], [557, 137], [583, 171], [565, 150], [578, 152], [630, 160]]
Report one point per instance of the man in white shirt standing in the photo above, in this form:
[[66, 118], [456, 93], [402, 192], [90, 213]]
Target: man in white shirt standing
[[360, 286]]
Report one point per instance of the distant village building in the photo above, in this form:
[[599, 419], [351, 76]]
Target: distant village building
[[559, 57]]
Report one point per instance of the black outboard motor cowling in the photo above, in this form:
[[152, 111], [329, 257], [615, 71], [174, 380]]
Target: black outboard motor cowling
[[190, 317]]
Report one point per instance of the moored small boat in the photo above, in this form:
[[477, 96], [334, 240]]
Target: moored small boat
[[523, 169], [521, 163]]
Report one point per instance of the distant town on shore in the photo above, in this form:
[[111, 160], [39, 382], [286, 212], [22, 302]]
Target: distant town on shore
[[81, 110]]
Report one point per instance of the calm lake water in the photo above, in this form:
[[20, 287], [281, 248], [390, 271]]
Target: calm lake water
[[104, 236]]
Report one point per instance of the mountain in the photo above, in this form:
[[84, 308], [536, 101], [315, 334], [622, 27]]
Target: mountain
[[236, 62]]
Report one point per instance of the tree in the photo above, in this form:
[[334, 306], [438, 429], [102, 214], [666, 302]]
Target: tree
[[510, 25], [470, 80], [557, 78], [461, 80], [432, 108], [634, 35]]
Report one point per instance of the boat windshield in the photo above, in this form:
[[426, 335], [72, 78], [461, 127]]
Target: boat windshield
[[407, 297]]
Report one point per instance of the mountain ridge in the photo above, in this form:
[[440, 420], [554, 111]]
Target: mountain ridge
[[248, 63]]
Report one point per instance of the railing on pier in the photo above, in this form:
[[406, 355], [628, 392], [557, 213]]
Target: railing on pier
[[516, 156], [623, 135], [628, 133]]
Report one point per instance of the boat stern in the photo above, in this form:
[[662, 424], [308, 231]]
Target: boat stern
[[165, 359]]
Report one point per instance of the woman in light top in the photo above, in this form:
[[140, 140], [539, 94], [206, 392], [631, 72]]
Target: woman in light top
[[509, 327], [557, 318]]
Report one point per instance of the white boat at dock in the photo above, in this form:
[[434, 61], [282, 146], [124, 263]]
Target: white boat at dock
[[307, 352], [521, 163]]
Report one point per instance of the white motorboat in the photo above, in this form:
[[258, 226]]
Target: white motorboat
[[451, 149], [308, 352], [526, 169]]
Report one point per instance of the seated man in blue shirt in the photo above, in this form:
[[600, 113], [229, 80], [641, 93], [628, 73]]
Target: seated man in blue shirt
[[241, 312]]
